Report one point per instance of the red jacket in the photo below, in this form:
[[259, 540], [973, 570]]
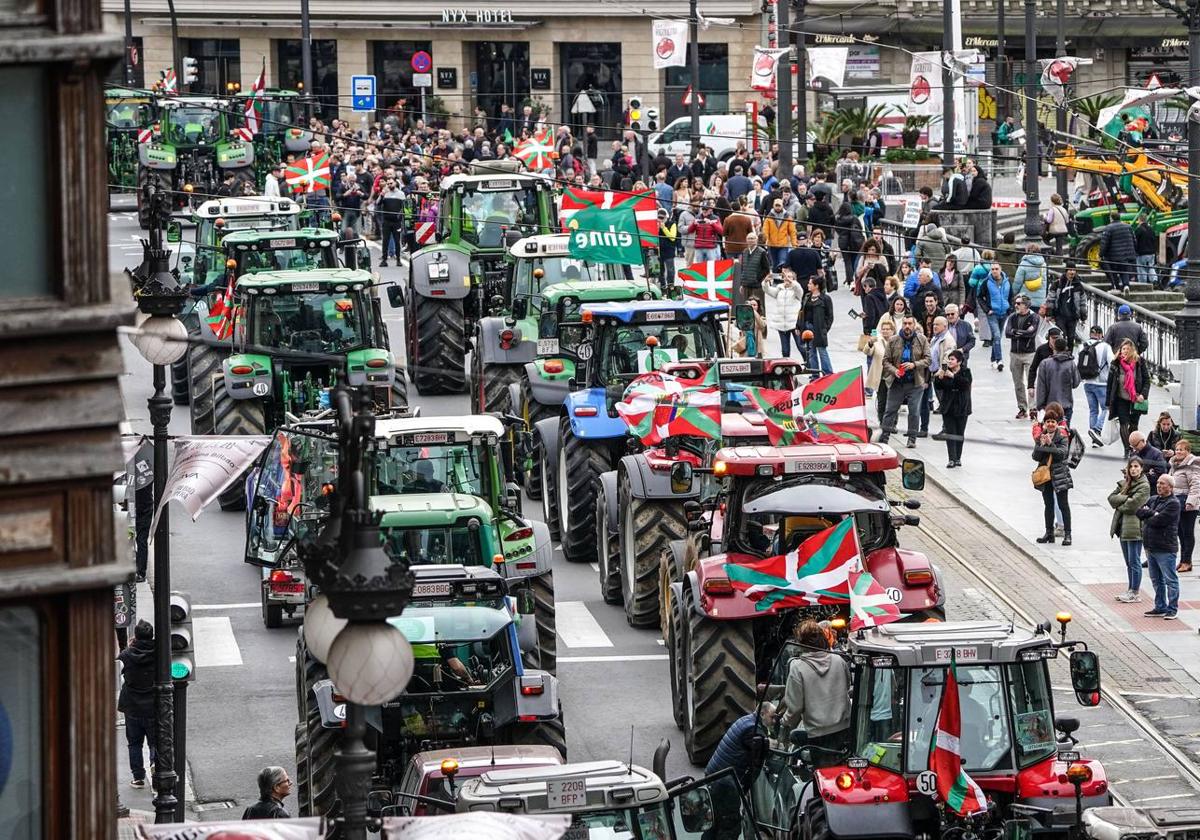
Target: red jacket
[[708, 232]]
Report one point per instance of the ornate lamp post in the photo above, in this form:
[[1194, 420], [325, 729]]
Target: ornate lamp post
[[1033, 218]]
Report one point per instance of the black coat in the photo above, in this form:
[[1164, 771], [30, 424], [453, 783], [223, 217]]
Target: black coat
[[1118, 250], [137, 679], [1160, 523], [980, 195], [1056, 453], [820, 216], [817, 314], [1115, 390], [875, 304], [954, 393], [265, 809], [805, 261]]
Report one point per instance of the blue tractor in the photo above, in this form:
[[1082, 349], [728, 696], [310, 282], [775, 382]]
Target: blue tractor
[[587, 437]]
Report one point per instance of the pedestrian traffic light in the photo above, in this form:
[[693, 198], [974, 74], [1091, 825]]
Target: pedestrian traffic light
[[652, 119], [183, 655], [191, 70], [635, 112]]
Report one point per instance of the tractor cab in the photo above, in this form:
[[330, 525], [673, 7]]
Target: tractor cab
[[1009, 741], [205, 260], [256, 251], [538, 262]]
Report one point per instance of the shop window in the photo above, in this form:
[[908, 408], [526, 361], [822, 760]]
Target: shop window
[[218, 64], [594, 70], [714, 83], [503, 71], [21, 727], [26, 246], [324, 70]]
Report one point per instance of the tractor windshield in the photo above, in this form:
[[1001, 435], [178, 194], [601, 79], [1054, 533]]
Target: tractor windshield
[[279, 115], [191, 126], [781, 515], [436, 546], [450, 468], [456, 648], [624, 354], [529, 283], [488, 213], [129, 114], [284, 259], [646, 823], [319, 322]]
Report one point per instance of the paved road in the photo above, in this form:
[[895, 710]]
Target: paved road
[[613, 678]]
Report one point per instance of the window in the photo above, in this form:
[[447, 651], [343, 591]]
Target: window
[[26, 246], [714, 83], [879, 719], [1033, 716], [393, 70], [21, 702], [324, 71], [218, 64], [595, 68], [985, 741]]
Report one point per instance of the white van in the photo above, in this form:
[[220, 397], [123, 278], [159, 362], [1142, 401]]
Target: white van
[[720, 132]]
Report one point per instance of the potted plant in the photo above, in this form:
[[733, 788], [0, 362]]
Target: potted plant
[[860, 122], [826, 134], [1089, 107], [914, 124], [437, 112]]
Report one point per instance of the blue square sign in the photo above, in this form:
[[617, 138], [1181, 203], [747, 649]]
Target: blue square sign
[[362, 93]]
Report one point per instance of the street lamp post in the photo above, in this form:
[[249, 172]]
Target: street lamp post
[[1002, 98], [1033, 221], [801, 41], [306, 57], [1187, 321], [783, 117], [694, 74], [128, 45], [947, 84], [1060, 116]]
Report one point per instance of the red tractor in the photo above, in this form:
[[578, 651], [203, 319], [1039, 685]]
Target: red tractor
[[761, 501]]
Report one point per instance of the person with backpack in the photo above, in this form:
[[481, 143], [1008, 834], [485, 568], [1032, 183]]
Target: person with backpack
[[1092, 362]]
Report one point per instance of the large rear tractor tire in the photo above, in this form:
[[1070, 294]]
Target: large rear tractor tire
[[609, 559], [547, 632], [719, 680], [302, 786], [180, 387], [549, 495], [676, 631], [1088, 250], [647, 528], [235, 417], [577, 477], [489, 384], [545, 733], [533, 411], [441, 346], [203, 364], [319, 743], [398, 394]]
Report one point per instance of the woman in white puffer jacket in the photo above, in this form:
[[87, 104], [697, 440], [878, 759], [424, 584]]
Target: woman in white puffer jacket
[[784, 309]]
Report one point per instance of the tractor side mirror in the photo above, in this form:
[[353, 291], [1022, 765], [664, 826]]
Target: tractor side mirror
[[912, 474], [681, 477], [520, 308], [396, 296], [696, 811], [1066, 725], [526, 604], [743, 317], [174, 232], [1085, 677]]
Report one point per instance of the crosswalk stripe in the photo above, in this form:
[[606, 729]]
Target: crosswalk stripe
[[577, 627], [215, 643]]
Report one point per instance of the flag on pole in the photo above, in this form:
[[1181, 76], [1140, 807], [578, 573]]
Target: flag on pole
[[954, 787], [309, 174], [709, 280], [254, 103], [170, 84], [535, 153], [817, 572], [220, 314], [644, 205], [832, 409], [870, 604], [508, 138]]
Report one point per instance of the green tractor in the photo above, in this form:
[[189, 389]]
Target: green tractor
[[453, 282], [190, 149], [508, 337], [281, 129], [127, 113]]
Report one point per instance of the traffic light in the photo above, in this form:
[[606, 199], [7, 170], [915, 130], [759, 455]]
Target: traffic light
[[183, 655], [635, 112], [652, 119], [191, 70]]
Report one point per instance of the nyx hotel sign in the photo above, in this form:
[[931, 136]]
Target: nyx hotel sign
[[477, 16]]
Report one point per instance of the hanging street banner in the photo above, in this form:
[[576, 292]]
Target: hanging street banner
[[828, 63], [762, 71], [203, 466], [670, 40], [925, 84], [605, 236]]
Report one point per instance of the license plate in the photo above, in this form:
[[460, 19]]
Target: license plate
[[660, 316], [297, 587], [566, 793], [808, 465], [430, 590], [428, 438], [962, 654], [734, 368], [305, 287], [547, 346], [283, 243]]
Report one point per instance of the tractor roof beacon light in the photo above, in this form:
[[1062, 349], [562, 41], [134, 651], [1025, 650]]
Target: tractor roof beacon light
[[183, 654]]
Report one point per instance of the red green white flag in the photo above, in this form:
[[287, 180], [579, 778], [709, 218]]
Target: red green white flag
[[220, 314], [817, 572], [309, 174], [831, 409], [709, 280], [254, 104], [657, 406], [954, 787], [870, 603], [645, 208]]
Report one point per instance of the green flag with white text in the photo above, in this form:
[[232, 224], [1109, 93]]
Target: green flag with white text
[[605, 236]]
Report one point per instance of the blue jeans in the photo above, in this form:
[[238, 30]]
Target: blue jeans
[[818, 359], [136, 730], [785, 343], [778, 256], [997, 336], [1131, 550], [1165, 580], [1145, 269], [706, 254], [1097, 393]]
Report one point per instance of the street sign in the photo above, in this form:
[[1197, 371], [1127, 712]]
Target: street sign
[[362, 93], [421, 62], [422, 80]]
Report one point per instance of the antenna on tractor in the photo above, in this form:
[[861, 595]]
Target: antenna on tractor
[[1012, 622], [631, 748]]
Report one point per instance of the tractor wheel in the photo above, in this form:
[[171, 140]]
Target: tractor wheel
[[578, 474], [302, 790], [235, 417], [203, 363], [647, 527], [490, 384], [668, 573], [441, 346], [180, 393], [398, 395], [817, 827], [542, 587], [532, 411], [676, 629], [320, 743], [545, 733], [1088, 250], [272, 614], [609, 559], [719, 679], [546, 472]]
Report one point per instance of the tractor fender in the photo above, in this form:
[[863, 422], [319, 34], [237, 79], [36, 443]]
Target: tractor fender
[[298, 143], [542, 706], [487, 343], [451, 273], [608, 490], [679, 551], [645, 482], [514, 397], [333, 715], [247, 387], [595, 423], [544, 391], [547, 432], [235, 156], [691, 581], [543, 554]]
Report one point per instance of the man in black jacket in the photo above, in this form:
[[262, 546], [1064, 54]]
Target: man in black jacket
[[753, 266], [1118, 255], [136, 700], [1021, 329], [1145, 243], [1160, 538], [805, 260], [820, 215], [273, 787]]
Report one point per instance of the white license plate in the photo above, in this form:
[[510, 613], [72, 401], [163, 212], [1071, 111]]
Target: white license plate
[[430, 590], [429, 438], [962, 654], [283, 243], [547, 346], [734, 368], [566, 793], [304, 287], [660, 316], [808, 465]]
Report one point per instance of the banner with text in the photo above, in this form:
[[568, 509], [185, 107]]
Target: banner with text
[[670, 40], [202, 467], [762, 72], [828, 63]]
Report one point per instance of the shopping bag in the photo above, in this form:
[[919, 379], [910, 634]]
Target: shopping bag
[[1111, 431]]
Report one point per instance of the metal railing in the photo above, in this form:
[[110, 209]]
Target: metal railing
[[1101, 307]]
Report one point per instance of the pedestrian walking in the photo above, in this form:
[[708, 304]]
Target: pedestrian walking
[[850, 238], [784, 311], [708, 231], [136, 701], [1130, 494], [779, 234], [994, 305], [964, 335], [953, 384], [1008, 254], [1160, 538], [1021, 330], [1052, 477], [952, 281], [941, 343], [1118, 255], [1056, 223], [753, 267], [1065, 302], [1093, 363], [273, 787], [876, 352], [389, 212], [1030, 277], [1128, 387], [1145, 245], [1126, 328], [816, 318], [1057, 379], [905, 370], [1185, 473]]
